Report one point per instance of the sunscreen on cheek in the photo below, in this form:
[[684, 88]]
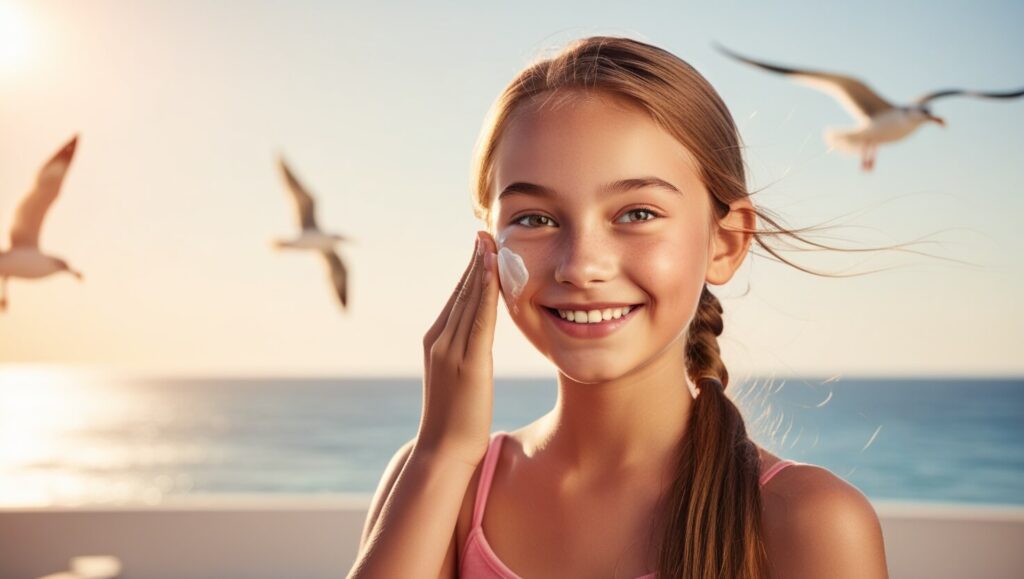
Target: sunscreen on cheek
[[512, 273]]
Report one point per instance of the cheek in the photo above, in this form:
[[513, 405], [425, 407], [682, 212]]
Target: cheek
[[670, 270]]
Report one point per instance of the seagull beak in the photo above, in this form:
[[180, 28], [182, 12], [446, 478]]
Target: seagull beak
[[937, 120], [77, 274]]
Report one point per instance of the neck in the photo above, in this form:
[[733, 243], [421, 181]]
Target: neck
[[632, 423]]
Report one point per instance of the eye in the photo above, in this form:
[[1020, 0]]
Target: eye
[[519, 220], [640, 211]]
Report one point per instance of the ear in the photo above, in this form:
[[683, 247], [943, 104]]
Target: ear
[[730, 240]]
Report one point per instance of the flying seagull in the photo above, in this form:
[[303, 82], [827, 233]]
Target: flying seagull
[[880, 121], [311, 237], [23, 258]]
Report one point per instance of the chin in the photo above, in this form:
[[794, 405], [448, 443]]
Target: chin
[[589, 369]]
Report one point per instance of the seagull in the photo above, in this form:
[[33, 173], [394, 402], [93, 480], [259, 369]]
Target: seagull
[[880, 121], [24, 259], [311, 237]]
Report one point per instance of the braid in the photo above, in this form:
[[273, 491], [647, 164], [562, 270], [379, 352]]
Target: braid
[[703, 356], [713, 510]]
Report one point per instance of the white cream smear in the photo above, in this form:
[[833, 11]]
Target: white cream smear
[[512, 272]]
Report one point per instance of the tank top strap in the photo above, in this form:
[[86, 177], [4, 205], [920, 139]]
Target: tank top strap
[[483, 487], [775, 468]]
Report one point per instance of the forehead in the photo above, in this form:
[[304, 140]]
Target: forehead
[[582, 143]]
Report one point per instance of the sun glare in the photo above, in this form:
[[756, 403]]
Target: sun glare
[[41, 408], [14, 37]]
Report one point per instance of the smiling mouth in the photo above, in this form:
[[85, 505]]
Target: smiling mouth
[[592, 317]]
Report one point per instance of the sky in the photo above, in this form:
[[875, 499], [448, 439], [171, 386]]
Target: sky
[[173, 197]]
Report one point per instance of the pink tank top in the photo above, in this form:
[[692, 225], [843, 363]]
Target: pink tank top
[[479, 560]]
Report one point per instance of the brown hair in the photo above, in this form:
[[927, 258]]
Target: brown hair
[[712, 512]]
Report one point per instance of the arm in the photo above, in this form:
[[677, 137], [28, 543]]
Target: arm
[[411, 532], [830, 531], [387, 482], [411, 520]]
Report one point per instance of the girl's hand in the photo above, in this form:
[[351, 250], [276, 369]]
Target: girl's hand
[[458, 384]]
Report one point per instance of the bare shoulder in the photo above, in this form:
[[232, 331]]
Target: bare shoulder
[[819, 525]]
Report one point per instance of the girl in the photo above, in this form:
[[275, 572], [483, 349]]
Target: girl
[[612, 186]]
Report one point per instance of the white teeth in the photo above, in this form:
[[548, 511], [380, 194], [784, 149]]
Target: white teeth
[[593, 316]]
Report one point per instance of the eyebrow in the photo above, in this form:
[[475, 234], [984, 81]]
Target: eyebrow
[[620, 186]]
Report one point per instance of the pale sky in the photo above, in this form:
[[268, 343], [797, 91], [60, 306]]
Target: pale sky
[[172, 199]]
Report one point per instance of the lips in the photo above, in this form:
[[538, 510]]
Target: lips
[[588, 307]]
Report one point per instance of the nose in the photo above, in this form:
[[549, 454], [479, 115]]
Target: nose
[[585, 258]]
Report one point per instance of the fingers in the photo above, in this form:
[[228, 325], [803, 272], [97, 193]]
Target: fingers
[[442, 319], [480, 342], [464, 321], [462, 303]]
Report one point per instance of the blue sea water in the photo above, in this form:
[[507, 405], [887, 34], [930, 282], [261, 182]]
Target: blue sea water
[[114, 441]]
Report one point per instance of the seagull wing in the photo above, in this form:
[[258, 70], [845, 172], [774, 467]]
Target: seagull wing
[[303, 200], [856, 97], [956, 91], [28, 217], [339, 276]]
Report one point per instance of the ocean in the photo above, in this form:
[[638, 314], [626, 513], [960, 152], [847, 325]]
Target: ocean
[[86, 441]]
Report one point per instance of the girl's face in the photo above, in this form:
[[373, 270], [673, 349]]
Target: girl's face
[[605, 209]]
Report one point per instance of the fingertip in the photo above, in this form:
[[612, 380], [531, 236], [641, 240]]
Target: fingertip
[[487, 240]]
